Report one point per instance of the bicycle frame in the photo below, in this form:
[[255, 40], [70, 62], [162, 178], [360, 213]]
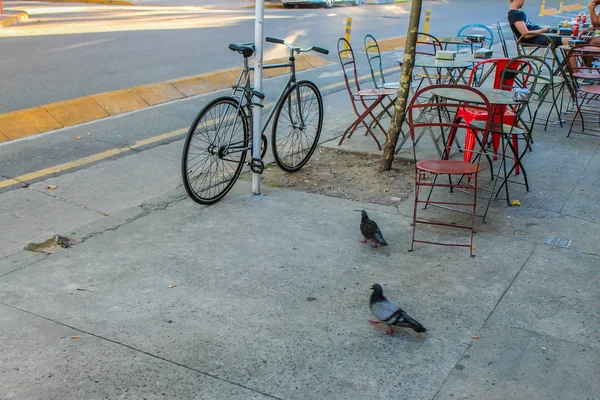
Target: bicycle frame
[[247, 90], [243, 93]]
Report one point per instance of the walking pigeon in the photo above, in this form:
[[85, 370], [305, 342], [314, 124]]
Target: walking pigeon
[[370, 231], [389, 313]]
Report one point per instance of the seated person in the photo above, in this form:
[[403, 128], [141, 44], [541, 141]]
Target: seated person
[[527, 32], [594, 18]]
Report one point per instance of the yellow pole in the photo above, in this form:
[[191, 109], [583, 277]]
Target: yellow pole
[[348, 32], [427, 18], [543, 7]]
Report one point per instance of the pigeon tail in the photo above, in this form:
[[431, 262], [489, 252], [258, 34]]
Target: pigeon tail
[[414, 325], [379, 239]]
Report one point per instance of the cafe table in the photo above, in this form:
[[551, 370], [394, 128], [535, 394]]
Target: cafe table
[[459, 64], [498, 99], [446, 40]]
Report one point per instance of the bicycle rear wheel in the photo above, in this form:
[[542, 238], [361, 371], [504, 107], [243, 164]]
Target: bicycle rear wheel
[[297, 126], [215, 150]]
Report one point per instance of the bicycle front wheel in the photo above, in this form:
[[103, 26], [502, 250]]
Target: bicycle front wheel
[[297, 126], [215, 150]]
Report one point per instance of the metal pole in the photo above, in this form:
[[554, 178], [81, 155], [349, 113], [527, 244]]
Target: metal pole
[[542, 9], [258, 75], [346, 53]]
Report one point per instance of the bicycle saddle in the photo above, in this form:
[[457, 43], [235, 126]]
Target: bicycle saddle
[[245, 49]]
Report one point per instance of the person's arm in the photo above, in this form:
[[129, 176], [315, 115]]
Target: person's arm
[[594, 18], [526, 33]]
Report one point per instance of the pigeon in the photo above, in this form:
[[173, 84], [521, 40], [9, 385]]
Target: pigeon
[[370, 231], [389, 313]]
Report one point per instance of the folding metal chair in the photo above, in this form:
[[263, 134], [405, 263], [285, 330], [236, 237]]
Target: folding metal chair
[[502, 39], [375, 64], [584, 69], [578, 63], [360, 97], [449, 98]]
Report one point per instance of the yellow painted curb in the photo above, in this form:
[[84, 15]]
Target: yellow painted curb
[[193, 85], [18, 124], [266, 5], [551, 11], [76, 111], [392, 43], [158, 93], [8, 20], [114, 2], [572, 7], [119, 101], [52, 116]]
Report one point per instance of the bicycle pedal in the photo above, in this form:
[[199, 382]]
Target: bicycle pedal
[[256, 165]]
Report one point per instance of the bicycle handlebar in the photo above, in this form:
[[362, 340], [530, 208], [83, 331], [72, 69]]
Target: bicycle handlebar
[[297, 49]]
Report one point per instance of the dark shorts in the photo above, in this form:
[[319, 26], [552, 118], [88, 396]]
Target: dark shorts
[[543, 40]]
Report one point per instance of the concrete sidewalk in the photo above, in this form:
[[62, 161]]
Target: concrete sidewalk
[[271, 295]]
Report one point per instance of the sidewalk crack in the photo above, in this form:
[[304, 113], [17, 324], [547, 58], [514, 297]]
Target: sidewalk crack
[[208, 374], [488, 317]]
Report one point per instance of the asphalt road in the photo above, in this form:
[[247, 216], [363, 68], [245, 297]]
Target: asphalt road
[[71, 50]]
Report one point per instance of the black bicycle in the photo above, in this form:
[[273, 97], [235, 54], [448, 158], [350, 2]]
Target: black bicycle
[[220, 137]]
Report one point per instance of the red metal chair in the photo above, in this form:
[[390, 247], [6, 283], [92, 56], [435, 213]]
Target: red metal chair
[[469, 115], [375, 96], [427, 44], [450, 99]]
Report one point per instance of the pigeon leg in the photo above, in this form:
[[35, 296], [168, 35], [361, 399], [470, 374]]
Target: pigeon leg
[[363, 240], [375, 245], [374, 322], [391, 331]]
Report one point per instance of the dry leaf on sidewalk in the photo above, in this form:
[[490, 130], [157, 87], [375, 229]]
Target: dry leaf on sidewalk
[[78, 137], [74, 337], [474, 337], [52, 187], [516, 203]]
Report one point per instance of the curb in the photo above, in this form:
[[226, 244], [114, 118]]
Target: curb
[[391, 43], [48, 117], [11, 19]]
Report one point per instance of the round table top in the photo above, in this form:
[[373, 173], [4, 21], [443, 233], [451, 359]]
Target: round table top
[[452, 40], [494, 96], [426, 61]]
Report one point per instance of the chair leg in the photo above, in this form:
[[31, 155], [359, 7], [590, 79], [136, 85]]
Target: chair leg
[[473, 215], [414, 222]]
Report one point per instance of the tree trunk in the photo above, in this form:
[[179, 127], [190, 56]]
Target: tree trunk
[[387, 156]]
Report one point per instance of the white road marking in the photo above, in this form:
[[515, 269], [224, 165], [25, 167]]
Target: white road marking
[[77, 45]]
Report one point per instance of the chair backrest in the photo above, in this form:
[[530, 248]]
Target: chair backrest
[[502, 39], [435, 108], [493, 66], [374, 59], [581, 63], [477, 29], [427, 44], [348, 63], [532, 73]]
